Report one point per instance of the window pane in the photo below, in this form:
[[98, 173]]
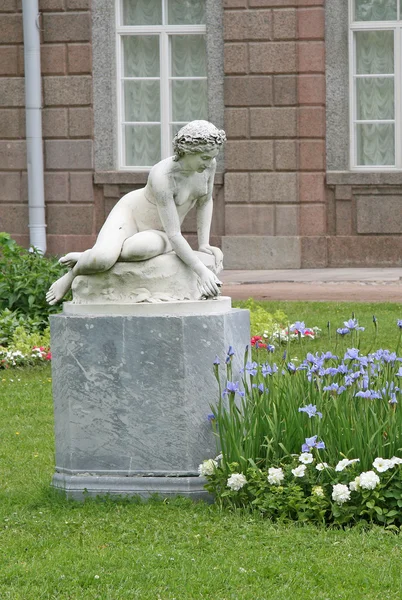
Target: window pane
[[141, 100], [175, 127], [189, 57], [375, 144], [143, 145], [142, 12], [186, 12], [141, 56], [375, 98], [375, 52], [189, 100], [375, 10]]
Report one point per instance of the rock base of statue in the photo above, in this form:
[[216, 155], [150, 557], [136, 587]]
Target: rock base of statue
[[160, 279], [132, 394]]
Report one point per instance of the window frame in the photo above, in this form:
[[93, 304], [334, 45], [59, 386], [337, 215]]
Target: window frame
[[396, 27], [164, 32]]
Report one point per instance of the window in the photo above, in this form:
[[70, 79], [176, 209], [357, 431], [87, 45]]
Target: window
[[375, 45], [162, 75]]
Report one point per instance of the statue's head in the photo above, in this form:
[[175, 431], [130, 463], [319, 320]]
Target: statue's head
[[197, 136]]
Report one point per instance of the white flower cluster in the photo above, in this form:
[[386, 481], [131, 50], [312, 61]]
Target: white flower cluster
[[342, 464], [275, 476], [299, 471], [306, 458], [236, 481], [383, 464], [340, 493], [207, 467]]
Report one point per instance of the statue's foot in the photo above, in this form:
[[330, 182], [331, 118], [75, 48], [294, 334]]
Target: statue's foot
[[70, 259], [59, 289]]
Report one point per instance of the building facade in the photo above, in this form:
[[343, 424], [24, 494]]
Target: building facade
[[308, 91]]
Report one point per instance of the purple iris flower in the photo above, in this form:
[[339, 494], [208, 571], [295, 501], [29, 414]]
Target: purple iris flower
[[342, 368], [232, 387], [372, 394], [260, 387], [328, 355], [343, 330], [229, 354], [299, 326], [311, 410], [312, 443], [211, 417], [270, 348], [291, 367], [251, 368], [351, 354], [217, 361], [334, 387], [399, 323], [353, 324]]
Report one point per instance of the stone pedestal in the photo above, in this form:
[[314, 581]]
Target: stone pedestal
[[132, 392]]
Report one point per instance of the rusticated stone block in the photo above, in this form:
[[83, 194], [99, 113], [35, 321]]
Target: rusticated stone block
[[311, 121], [312, 155], [65, 219], [285, 155], [54, 122], [286, 220], [236, 61], [273, 187], [10, 184], [14, 218], [379, 214], [80, 122], [11, 28], [12, 91], [53, 59], [236, 187], [61, 244], [343, 192], [285, 90], [273, 122], [51, 5], [79, 58], [311, 89], [11, 123], [72, 90], [13, 154], [81, 187], [8, 60], [247, 155], [344, 218], [248, 91], [285, 24], [78, 4], [236, 123], [261, 252], [56, 187], [283, 3], [313, 219], [273, 57], [314, 252], [311, 57], [66, 27], [365, 251], [249, 220], [235, 3], [311, 23], [247, 25], [8, 6], [312, 187], [68, 154]]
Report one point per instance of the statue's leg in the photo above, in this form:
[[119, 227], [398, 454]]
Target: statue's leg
[[70, 259], [144, 245]]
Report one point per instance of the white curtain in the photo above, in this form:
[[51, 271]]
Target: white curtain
[[142, 12], [375, 97], [375, 10], [186, 12]]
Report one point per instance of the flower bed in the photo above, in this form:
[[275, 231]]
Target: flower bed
[[319, 440]]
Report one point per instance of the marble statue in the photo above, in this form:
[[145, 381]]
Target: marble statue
[[146, 223]]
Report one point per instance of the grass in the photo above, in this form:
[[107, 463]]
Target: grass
[[51, 548]]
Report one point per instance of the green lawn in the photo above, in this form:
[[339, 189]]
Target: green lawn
[[54, 549]]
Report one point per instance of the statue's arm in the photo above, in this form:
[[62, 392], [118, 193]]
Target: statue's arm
[[204, 220]]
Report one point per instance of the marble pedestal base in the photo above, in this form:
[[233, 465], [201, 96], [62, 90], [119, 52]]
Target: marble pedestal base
[[132, 394]]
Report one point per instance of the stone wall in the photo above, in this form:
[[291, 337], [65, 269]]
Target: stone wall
[[275, 120]]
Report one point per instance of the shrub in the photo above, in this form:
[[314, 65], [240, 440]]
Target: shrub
[[26, 277], [262, 321]]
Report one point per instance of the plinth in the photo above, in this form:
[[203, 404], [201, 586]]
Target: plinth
[[132, 388]]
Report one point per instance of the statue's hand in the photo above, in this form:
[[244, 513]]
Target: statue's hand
[[209, 284], [217, 254]]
